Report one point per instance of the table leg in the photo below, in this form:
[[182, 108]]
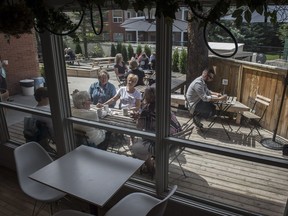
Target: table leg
[[238, 118], [93, 210]]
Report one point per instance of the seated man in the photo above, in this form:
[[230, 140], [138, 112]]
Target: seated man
[[201, 99]]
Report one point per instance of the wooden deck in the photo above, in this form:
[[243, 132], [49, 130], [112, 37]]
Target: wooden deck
[[252, 186]]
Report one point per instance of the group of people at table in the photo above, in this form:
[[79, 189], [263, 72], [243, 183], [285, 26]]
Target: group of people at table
[[142, 108]]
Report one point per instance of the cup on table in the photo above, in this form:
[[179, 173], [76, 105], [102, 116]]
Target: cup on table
[[99, 112], [125, 111], [106, 108]]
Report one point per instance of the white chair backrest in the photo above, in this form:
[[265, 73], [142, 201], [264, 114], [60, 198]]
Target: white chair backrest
[[29, 158], [263, 100], [159, 209]]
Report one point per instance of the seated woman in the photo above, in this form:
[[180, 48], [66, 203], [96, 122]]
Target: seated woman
[[129, 96], [103, 90], [144, 61], [134, 69], [120, 67], [81, 109], [144, 148]]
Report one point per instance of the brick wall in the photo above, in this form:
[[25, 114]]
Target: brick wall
[[22, 60]]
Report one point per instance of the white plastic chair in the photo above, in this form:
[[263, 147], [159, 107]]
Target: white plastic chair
[[140, 204], [135, 204], [29, 158]]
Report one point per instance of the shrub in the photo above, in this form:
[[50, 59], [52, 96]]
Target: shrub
[[78, 49], [183, 61], [175, 60], [130, 51], [98, 51], [119, 48], [139, 50], [113, 50], [124, 53], [147, 50]]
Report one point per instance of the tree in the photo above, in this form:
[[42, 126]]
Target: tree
[[283, 32], [183, 61], [113, 50], [197, 50], [175, 60], [98, 51], [78, 49], [119, 47], [147, 50], [124, 53], [139, 50], [130, 51]]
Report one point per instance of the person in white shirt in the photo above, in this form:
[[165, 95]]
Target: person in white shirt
[[129, 96]]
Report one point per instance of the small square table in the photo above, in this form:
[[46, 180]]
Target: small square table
[[88, 173]]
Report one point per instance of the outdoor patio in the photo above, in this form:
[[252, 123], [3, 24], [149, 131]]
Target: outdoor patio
[[242, 184]]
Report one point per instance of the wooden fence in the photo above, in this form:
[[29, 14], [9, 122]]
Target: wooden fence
[[246, 79]]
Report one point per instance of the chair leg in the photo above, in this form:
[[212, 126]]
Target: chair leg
[[34, 208], [43, 204], [180, 165]]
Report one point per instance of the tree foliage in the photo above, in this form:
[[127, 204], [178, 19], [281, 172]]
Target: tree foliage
[[130, 51], [183, 61], [139, 50], [119, 47], [124, 53], [113, 51], [175, 60], [78, 49], [147, 50], [55, 19]]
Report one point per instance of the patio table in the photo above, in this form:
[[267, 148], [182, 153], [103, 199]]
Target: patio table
[[88, 173], [222, 107]]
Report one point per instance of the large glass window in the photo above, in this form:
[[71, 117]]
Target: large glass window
[[217, 163]]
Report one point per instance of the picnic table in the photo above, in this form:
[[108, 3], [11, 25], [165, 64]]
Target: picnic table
[[104, 61], [176, 83]]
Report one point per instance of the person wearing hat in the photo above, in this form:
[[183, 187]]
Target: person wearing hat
[[134, 69]]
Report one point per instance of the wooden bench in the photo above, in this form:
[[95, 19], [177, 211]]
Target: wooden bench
[[83, 72], [177, 100]]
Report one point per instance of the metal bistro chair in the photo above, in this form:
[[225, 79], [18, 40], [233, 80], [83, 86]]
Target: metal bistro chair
[[122, 81], [139, 204], [29, 158], [252, 119], [175, 150]]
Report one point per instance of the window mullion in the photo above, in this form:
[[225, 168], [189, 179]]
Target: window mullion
[[163, 84]]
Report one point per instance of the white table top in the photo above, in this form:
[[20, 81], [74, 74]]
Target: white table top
[[88, 173]]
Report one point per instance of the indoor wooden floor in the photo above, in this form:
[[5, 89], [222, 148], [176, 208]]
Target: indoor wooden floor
[[242, 184], [13, 202]]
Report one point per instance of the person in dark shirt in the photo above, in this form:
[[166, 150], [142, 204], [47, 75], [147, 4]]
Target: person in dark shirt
[[120, 67], [134, 69]]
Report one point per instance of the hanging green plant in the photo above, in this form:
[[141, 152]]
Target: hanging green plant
[[18, 17]]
